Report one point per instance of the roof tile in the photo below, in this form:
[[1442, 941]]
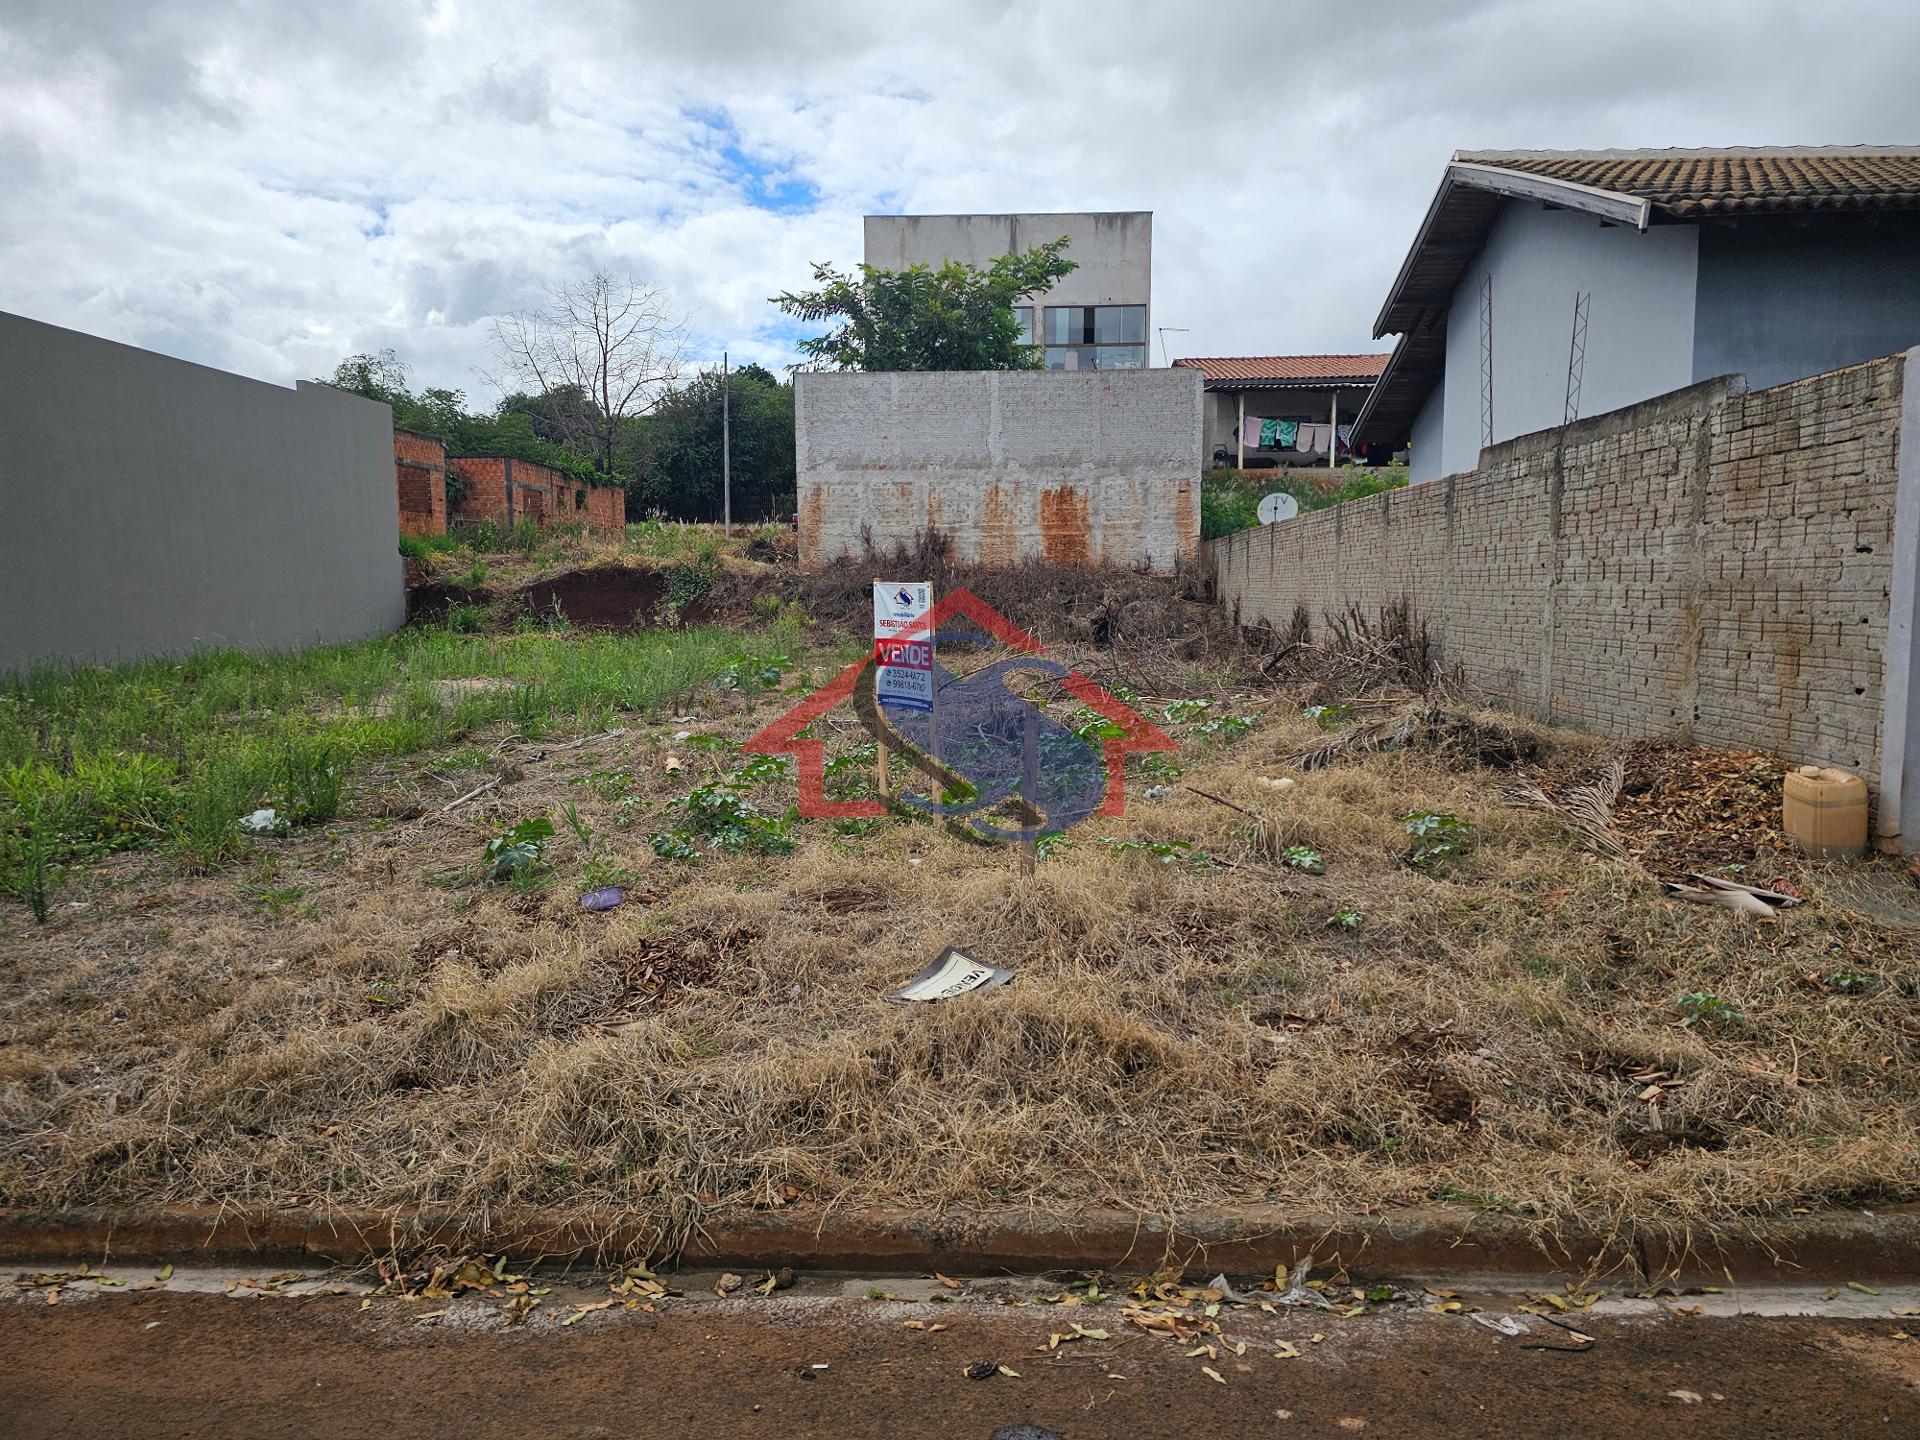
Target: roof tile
[[1286, 367]]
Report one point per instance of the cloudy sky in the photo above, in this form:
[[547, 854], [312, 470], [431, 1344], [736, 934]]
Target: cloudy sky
[[268, 187]]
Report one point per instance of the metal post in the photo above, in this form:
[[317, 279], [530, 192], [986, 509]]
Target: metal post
[[1241, 430], [726, 451], [1333, 427]]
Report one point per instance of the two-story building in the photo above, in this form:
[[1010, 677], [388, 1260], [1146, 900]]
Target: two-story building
[[1094, 318]]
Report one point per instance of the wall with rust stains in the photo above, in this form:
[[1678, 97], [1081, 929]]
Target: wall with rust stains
[[1711, 564], [1073, 468]]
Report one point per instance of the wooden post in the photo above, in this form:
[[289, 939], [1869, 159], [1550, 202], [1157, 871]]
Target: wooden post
[[1029, 783], [881, 765], [1333, 427], [1241, 430]]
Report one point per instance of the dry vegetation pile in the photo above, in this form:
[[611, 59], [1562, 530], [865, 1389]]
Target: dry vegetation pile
[[1379, 984]]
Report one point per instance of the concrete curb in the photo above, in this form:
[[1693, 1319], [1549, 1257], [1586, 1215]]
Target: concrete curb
[[1857, 1245]]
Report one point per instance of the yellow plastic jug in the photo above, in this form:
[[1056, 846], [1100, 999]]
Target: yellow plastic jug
[[1825, 811]]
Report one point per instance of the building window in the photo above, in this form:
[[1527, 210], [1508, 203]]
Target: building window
[[1029, 332], [1096, 337], [579, 499]]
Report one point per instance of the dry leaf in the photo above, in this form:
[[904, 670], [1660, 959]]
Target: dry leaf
[[728, 1283], [1213, 1374], [1687, 1397], [1010, 1374], [1285, 1351], [1863, 1289], [947, 1281], [165, 1272]]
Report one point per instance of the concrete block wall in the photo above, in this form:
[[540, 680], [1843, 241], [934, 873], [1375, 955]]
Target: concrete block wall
[[1712, 564], [155, 507], [420, 474], [500, 488], [1084, 468]]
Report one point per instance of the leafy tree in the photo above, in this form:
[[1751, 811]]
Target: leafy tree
[[675, 451], [958, 317]]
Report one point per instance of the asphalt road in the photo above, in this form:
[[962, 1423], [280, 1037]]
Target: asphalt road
[[822, 1360]]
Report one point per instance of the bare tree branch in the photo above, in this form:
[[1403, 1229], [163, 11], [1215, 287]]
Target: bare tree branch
[[599, 351]]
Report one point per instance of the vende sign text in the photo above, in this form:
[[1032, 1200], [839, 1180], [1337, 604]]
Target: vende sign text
[[905, 675]]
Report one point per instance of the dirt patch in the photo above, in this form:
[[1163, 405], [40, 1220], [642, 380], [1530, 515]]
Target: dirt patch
[[429, 601], [608, 597]]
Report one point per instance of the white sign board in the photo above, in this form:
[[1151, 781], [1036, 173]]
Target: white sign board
[[1277, 507], [903, 644]]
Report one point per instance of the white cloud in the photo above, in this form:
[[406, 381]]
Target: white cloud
[[269, 188]]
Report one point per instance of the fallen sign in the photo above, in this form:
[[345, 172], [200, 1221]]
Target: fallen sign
[[951, 974]]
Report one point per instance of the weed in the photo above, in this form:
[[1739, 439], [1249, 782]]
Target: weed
[[1167, 852], [309, 782], [528, 707], [1707, 1009], [1851, 982], [1328, 716], [1437, 837], [1346, 918], [718, 816], [475, 575], [277, 900], [467, 619], [1303, 857], [582, 831], [519, 851]]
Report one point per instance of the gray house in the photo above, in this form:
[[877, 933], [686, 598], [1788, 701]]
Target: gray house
[[1095, 318], [1545, 285]]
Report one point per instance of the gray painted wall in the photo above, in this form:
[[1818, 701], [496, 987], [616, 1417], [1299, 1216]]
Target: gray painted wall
[[1114, 250], [1779, 302], [1639, 332], [156, 507]]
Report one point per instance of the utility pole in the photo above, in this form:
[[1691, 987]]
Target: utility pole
[[726, 449]]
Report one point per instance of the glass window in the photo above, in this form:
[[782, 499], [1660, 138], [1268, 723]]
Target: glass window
[[1119, 357], [1066, 324], [1023, 314], [1072, 357], [1119, 325]]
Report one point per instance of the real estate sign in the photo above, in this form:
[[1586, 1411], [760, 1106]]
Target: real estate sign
[[903, 644]]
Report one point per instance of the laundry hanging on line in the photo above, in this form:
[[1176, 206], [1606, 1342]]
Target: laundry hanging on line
[[1314, 437], [1277, 434]]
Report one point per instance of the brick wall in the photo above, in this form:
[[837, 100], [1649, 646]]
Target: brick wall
[[1711, 563], [420, 471], [508, 491], [1084, 468]]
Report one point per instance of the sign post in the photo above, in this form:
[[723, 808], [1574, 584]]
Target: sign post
[[902, 652]]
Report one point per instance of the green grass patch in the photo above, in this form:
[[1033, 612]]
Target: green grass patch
[[173, 752]]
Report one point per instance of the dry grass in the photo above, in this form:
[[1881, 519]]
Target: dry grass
[[1177, 1036]]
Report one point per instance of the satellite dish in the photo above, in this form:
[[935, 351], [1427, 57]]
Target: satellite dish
[[1278, 506]]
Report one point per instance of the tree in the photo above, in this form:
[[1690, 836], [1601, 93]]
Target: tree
[[380, 375], [958, 317], [608, 339], [676, 450]]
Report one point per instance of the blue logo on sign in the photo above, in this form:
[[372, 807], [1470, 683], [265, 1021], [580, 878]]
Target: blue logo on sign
[[902, 598]]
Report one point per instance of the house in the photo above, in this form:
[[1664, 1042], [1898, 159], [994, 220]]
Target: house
[[1546, 285], [1094, 318], [1306, 394]]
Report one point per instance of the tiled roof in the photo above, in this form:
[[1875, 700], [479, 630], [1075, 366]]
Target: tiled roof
[[1732, 182], [1274, 368]]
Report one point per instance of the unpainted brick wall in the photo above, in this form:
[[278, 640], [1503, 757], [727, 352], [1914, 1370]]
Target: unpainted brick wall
[[1084, 468], [420, 471], [1710, 564], [539, 493]]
